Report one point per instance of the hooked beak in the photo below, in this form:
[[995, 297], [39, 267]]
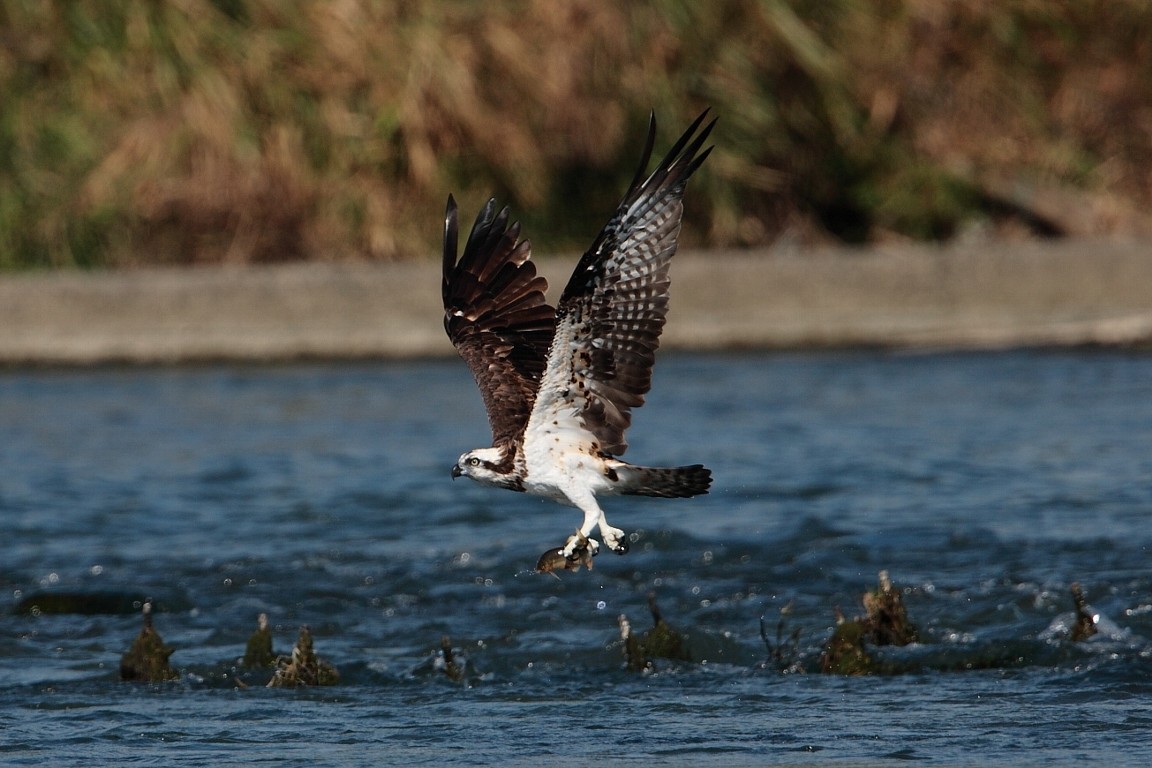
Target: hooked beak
[[456, 471]]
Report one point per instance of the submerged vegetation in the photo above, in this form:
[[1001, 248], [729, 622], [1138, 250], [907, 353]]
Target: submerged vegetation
[[853, 648], [659, 642], [256, 130], [885, 622], [147, 660], [303, 667]]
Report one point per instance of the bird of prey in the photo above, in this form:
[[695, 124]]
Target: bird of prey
[[559, 383]]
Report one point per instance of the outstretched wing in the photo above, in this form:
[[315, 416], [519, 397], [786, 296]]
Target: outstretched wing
[[610, 316], [496, 315]]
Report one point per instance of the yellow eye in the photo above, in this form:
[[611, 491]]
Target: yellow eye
[[473, 462]]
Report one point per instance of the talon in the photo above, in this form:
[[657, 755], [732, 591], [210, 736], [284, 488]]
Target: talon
[[576, 543], [616, 540]]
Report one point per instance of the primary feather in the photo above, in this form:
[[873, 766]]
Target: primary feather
[[496, 315]]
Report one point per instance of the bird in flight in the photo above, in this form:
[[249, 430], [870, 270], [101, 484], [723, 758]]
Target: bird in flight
[[559, 383]]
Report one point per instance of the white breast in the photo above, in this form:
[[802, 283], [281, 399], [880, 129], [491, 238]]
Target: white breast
[[561, 456]]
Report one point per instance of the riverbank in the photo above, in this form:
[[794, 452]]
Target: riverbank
[[986, 295]]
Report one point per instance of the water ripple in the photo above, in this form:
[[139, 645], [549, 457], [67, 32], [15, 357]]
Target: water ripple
[[319, 495]]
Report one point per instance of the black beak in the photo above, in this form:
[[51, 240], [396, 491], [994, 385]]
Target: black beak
[[456, 471]]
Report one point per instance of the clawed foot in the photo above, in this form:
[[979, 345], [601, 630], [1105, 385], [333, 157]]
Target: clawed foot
[[614, 539], [579, 545]]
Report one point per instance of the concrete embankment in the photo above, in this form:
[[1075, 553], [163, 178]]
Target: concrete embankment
[[991, 295]]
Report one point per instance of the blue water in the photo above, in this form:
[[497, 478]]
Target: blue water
[[320, 494]]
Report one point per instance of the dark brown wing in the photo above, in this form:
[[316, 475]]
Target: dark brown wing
[[496, 315], [613, 309]]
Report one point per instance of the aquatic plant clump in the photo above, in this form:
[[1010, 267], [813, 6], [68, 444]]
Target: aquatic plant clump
[[660, 642], [885, 622], [303, 667], [147, 660], [258, 651]]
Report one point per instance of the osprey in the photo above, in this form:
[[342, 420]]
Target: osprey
[[559, 383]]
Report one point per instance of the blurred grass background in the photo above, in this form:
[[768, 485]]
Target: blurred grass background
[[193, 131]]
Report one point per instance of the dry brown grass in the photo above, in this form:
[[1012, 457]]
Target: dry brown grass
[[254, 130]]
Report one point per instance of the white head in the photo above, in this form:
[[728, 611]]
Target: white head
[[487, 466]]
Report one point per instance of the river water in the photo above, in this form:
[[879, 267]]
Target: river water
[[985, 484]]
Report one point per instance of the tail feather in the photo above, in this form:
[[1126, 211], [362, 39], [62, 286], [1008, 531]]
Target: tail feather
[[666, 482]]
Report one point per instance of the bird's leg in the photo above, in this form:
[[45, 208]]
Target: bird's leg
[[594, 518], [580, 541]]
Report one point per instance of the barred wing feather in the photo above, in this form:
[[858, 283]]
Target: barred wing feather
[[611, 313]]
